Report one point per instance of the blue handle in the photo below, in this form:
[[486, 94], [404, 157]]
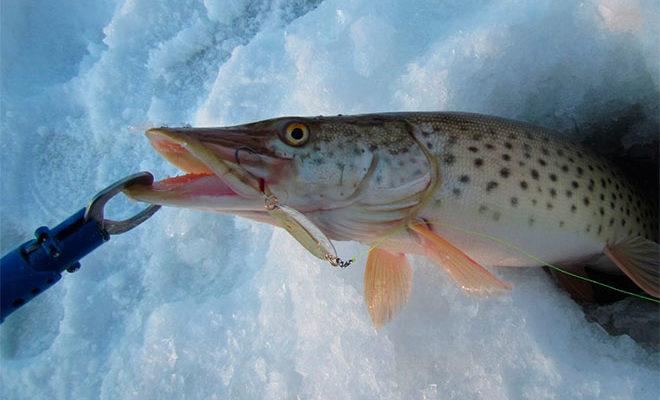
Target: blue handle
[[37, 264]]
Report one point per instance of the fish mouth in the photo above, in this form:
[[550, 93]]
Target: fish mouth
[[224, 170]]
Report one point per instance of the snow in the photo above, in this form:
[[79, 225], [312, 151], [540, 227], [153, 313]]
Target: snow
[[194, 305]]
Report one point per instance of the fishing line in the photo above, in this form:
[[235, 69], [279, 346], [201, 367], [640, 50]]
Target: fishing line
[[515, 248]]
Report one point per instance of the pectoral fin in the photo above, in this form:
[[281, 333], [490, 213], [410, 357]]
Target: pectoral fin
[[639, 259], [387, 284], [467, 273]]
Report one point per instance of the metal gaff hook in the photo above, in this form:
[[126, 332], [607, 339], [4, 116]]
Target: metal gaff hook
[[96, 207]]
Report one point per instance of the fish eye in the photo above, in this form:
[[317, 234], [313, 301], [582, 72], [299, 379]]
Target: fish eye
[[296, 134]]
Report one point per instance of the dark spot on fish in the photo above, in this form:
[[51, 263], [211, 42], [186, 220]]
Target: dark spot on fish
[[491, 185], [372, 147], [534, 202], [464, 179], [457, 192], [478, 162], [506, 157], [573, 208], [358, 151], [575, 185], [496, 215], [523, 185], [508, 145], [549, 206], [527, 155], [477, 136], [602, 197], [602, 211], [591, 167], [544, 151], [579, 170], [623, 222], [505, 172], [521, 163], [561, 224], [591, 185], [569, 194], [611, 221], [542, 162], [553, 177], [490, 146], [452, 140], [603, 183], [588, 228], [612, 205], [600, 229], [473, 149], [553, 192], [586, 201], [560, 152], [531, 221], [514, 201], [482, 208], [449, 159], [403, 150], [535, 174], [564, 168], [429, 145]]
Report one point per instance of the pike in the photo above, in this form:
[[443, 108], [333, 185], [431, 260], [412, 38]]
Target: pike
[[442, 185]]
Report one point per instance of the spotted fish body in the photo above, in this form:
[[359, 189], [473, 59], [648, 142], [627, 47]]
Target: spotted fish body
[[554, 199], [466, 190]]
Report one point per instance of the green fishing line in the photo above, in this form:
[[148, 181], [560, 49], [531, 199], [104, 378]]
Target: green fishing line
[[521, 251]]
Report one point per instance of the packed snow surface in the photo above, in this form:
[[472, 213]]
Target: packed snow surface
[[196, 305]]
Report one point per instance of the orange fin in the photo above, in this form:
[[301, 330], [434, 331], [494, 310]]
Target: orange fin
[[387, 284], [639, 259], [466, 272]]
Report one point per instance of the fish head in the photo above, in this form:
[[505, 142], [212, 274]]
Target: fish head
[[311, 164]]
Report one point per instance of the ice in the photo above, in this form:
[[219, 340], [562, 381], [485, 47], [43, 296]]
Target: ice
[[194, 305]]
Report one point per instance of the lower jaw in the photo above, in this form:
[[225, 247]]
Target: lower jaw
[[200, 191]]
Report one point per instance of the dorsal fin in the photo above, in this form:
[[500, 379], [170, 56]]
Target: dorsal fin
[[387, 284], [466, 272]]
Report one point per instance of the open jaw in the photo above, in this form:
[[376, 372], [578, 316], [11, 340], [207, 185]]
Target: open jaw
[[211, 181]]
